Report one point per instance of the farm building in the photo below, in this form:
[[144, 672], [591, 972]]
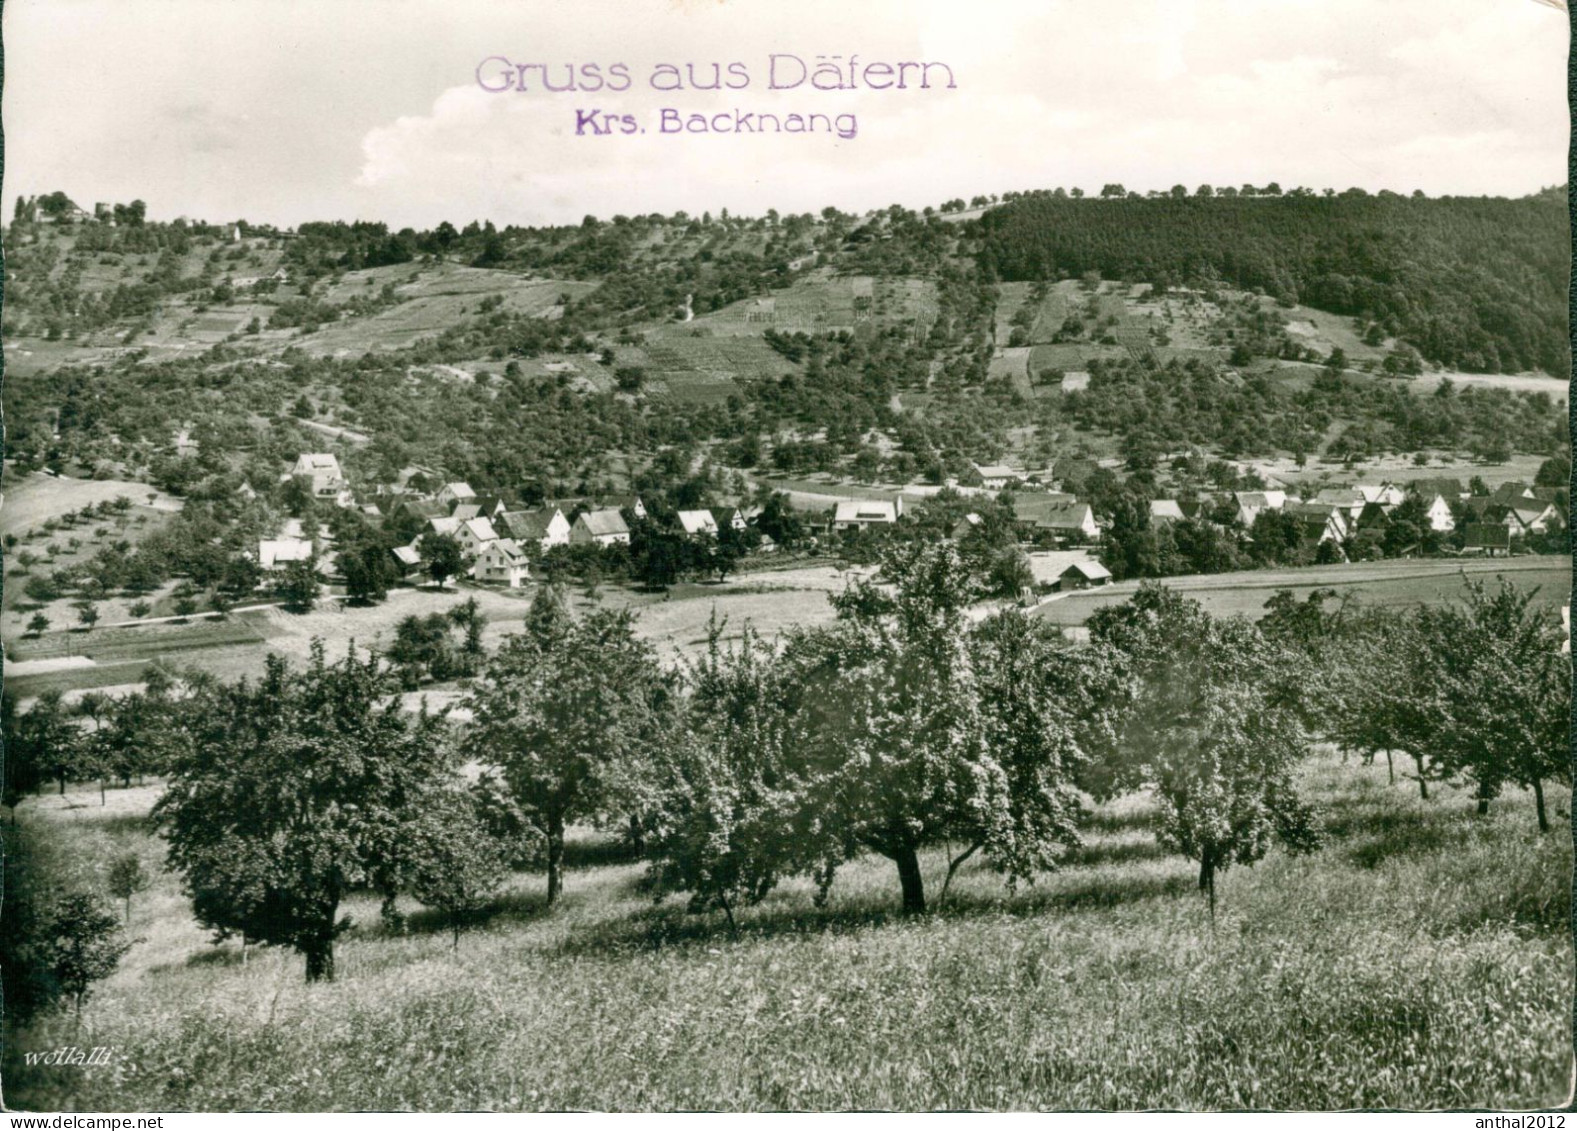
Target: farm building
[[1251, 503], [603, 528], [483, 506], [274, 554], [1513, 494], [995, 475], [1086, 574], [731, 518], [1032, 509], [451, 494], [1488, 538], [1386, 494], [965, 525], [1165, 510], [407, 559], [502, 562], [1527, 516], [631, 503], [546, 526], [424, 509], [1349, 499], [1450, 489], [1049, 514], [854, 514], [698, 522], [1048, 566], [1321, 522], [1537, 518]]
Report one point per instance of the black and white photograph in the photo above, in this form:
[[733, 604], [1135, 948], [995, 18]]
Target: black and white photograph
[[654, 556]]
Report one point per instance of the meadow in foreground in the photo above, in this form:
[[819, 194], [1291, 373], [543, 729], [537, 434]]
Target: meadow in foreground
[[1421, 959]]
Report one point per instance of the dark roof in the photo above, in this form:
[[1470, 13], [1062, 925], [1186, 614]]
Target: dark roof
[[1452, 489], [1374, 514], [531, 525], [1487, 536], [603, 523], [1090, 569], [426, 508], [1513, 491], [1040, 508], [1486, 508], [1311, 512]]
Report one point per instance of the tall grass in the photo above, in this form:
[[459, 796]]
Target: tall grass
[[1422, 959]]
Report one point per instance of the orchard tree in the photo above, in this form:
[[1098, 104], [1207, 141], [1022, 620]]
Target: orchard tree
[[568, 712], [127, 878], [1046, 706], [468, 617], [443, 556], [145, 732], [904, 731], [1505, 692], [300, 585], [47, 739], [82, 944], [369, 571], [1212, 727], [723, 827], [242, 575], [1382, 691], [452, 860], [884, 728], [285, 798]]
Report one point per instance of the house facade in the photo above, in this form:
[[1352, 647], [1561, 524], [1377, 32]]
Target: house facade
[[475, 533], [502, 562], [320, 472], [1438, 514], [602, 528]]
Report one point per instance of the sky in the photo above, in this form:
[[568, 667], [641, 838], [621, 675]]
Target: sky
[[282, 111]]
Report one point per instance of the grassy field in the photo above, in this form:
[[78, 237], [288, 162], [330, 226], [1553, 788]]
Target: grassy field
[[38, 498], [1421, 959], [771, 600], [1430, 582]]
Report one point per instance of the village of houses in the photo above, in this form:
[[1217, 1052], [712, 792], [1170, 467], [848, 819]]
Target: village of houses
[[1061, 534]]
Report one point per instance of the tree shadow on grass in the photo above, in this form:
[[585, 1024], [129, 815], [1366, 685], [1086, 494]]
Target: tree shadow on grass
[[671, 924], [598, 852], [1127, 819], [217, 954], [512, 907], [1086, 892], [115, 823], [1125, 851], [1375, 834]]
